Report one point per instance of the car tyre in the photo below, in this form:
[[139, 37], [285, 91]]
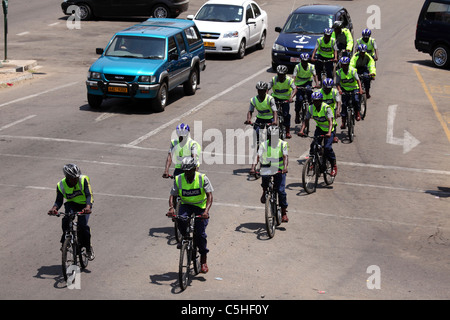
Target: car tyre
[[160, 101], [190, 86], [95, 101], [241, 49], [440, 56], [160, 11], [262, 41], [84, 12]]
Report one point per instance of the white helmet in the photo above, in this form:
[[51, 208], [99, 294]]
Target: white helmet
[[183, 130]]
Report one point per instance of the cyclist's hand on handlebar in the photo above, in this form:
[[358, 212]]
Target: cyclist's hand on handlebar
[[301, 134], [52, 212], [86, 210], [285, 170], [205, 215], [165, 175], [247, 122], [171, 213]]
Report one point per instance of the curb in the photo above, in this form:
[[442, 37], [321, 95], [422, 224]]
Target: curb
[[13, 71]]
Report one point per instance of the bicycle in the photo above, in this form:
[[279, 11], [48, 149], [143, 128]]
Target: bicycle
[[188, 252], [304, 107], [72, 253], [323, 72], [351, 120], [315, 166], [260, 126], [363, 77], [272, 209], [281, 125]]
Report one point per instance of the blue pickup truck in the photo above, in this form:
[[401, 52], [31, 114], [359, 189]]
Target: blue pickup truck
[[146, 61]]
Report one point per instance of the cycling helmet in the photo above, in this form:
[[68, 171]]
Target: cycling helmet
[[366, 33], [273, 130], [304, 57], [328, 31], [71, 171], [345, 60], [337, 24], [316, 95], [261, 85], [281, 69], [328, 83], [188, 163], [362, 48], [183, 130]]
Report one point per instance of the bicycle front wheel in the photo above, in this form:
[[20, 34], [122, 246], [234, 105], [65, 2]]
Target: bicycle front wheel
[[178, 236], [363, 106], [351, 128], [310, 176], [69, 259], [184, 266], [270, 216]]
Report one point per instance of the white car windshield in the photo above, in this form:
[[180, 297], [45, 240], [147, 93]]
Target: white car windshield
[[137, 47], [308, 23], [220, 13]]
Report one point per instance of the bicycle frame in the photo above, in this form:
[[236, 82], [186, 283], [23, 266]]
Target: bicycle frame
[[272, 209]]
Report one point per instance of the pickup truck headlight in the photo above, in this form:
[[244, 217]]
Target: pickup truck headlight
[[148, 79], [94, 75]]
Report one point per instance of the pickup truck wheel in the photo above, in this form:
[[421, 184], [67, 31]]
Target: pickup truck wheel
[[160, 101], [190, 86], [94, 101], [441, 56], [83, 12]]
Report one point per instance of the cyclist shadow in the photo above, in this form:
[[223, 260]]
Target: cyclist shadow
[[257, 228], [172, 277], [54, 272], [159, 233]]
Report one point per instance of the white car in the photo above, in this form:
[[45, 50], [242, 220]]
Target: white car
[[231, 26]]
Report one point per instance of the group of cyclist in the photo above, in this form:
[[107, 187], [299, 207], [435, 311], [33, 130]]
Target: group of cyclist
[[194, 189]]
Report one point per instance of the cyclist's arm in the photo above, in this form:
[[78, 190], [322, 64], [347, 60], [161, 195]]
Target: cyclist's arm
[[89, 196], [58, 203], [294, 91], [168, 162], [173, 194], [209, 201], [273, 106]]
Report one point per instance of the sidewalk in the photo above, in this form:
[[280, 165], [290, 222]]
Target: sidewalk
[[15, 70]]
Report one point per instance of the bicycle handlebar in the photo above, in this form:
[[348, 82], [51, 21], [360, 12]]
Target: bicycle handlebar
[[80, 213]]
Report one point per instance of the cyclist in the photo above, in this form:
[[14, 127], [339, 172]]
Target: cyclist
[[283, 89], [325, 49], [332, 98], [180, 148], [365, 65], [370, 42], [195, 191], [264, 104], [323, 115], [76, 189], [303, 75], [273, 155], [344, 38], [347, 81]]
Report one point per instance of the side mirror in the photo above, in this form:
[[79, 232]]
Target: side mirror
[[277, 29], [99, 51], [190, 17], [173, 56], [251, 21]]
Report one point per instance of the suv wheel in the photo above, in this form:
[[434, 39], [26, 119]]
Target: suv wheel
[[83, 12], [94, 101], [160, 101], [190, 86], [440, 56]]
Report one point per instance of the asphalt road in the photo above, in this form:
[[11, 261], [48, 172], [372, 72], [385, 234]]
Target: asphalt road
[[387, 211]]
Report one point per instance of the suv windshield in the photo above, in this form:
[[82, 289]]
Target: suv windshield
[[137, 47], [221, 13], [308, 23]]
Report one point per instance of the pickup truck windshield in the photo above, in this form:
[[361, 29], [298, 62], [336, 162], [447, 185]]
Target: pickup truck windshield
[[137, 47]]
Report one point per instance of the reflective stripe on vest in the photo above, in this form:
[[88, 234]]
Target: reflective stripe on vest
[[192, 193], [303, 75], [282, 90], [326, 50], [320, 116], [348, 80], [75, 194], [264, 108]]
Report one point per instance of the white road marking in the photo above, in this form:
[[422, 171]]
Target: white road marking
[[195, 109], [53, 24], [37, 94], [23, 33], [16, 122], [104, 116], [243, 206], [408, 141]]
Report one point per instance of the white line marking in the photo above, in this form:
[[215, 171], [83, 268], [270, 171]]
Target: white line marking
[[53, 24], [408, 141], [37, 94], [16, 122], [236, 205], [23, 33], [197, 108], [379, 166], [104, 116]]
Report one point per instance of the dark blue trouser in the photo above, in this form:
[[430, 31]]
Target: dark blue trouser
[[346, 100], [328, 151], [299, 96], [200, 236], [285, 110], [84, 232], [279, 184]]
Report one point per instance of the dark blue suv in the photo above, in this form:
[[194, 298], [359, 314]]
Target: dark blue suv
[[302, 29], [146, 61], [433, 31]]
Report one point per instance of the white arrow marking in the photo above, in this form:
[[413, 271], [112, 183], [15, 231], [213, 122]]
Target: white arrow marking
[[408, 142]]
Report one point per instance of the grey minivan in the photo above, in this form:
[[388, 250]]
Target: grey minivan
[[433, 31]]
